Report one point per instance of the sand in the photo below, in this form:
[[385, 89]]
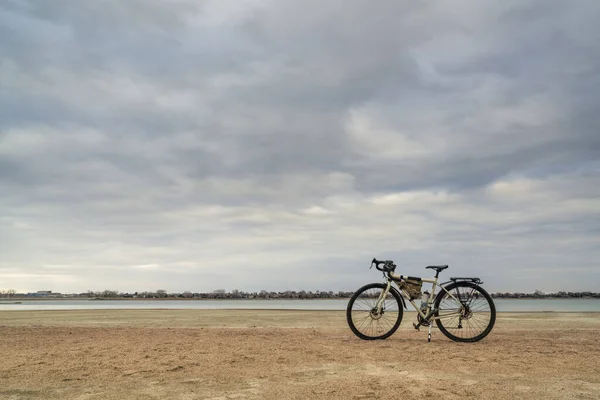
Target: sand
[[249, 354]]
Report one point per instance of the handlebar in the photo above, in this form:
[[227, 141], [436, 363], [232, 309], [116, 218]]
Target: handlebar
[[388, 265]]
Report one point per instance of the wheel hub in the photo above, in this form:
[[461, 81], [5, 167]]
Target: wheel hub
[[375, 314]]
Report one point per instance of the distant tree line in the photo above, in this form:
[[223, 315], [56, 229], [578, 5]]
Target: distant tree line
[[223, 294], [263, 294], [541, 295], [163, 294]]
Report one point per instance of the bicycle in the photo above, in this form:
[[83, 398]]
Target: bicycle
[[466, 316]]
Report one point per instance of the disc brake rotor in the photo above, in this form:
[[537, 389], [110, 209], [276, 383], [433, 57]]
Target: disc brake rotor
[[375, 315]]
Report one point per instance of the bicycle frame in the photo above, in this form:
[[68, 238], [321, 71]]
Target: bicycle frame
[[429, 307]]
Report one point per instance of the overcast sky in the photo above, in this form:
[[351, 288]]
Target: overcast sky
[[281, 145]]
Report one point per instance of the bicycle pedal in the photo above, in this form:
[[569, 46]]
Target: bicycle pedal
[[416, 326]]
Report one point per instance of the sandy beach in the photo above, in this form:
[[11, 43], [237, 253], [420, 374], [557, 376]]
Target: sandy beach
[[259, 354]]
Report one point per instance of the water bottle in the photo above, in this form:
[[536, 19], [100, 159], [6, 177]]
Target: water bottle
[[424, 300]]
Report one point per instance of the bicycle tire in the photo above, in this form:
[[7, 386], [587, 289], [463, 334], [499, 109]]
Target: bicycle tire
[[492, 312], [352, 301]]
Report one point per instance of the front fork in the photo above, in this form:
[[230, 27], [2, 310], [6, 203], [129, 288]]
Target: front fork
[[382, 297]]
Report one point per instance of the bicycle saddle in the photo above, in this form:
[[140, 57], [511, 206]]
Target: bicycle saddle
[[438, 268]]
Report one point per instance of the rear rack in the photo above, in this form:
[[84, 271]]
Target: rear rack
[[465, 279]]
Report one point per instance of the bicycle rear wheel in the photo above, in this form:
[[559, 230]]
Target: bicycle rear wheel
[[364, 319], [465, 313]]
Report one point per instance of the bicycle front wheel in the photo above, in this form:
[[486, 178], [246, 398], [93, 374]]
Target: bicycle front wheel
[[366, 321], [465, 312]]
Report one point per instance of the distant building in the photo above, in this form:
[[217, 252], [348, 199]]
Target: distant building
[[44, 293]]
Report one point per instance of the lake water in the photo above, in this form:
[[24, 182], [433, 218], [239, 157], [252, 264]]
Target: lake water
[[502, 305]]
